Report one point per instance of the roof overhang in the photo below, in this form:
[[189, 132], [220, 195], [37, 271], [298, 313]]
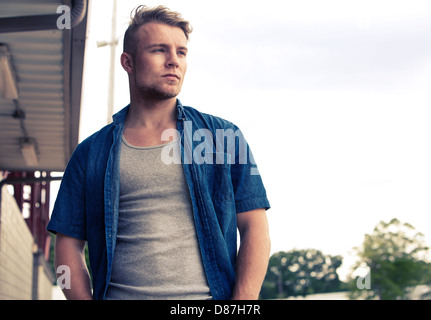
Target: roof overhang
[[47, 63]]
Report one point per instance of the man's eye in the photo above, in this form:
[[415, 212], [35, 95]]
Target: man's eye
[[159, 50]]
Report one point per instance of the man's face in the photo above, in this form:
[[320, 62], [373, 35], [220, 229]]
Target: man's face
[[160, 60]]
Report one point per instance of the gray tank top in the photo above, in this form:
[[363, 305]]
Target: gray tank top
[[157, 255]]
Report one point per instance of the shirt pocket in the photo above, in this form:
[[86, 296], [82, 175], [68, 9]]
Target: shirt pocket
[[218, 179]]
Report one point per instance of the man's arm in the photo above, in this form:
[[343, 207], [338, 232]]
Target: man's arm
[[70, 252], [253, 254]]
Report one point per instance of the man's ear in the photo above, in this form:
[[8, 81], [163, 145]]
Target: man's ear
[[127, 62]]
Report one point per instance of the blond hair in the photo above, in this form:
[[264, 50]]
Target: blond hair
[[142, 15]]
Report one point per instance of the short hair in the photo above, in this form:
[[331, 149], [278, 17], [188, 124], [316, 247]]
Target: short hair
[[142, 15]]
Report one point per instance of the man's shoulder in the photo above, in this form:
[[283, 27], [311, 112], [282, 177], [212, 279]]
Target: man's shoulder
[[210, 121], [96, 140], [105, 132], [99, 135]]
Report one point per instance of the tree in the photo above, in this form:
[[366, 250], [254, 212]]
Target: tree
[[299, 273], [394, 253]]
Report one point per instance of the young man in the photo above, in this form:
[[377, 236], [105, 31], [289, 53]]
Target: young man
[[158, 207]]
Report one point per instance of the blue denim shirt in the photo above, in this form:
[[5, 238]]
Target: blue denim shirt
[[222, 179]]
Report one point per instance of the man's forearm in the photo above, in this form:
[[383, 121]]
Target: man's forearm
[[251, 266], [69, 252], [80, 288]]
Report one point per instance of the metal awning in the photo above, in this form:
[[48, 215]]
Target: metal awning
[[48, 67]]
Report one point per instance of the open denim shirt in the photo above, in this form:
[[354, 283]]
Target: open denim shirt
[[222, 182]]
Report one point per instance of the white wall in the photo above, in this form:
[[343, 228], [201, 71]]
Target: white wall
[[24, 274], [16, 251]]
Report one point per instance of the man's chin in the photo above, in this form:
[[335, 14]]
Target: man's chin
[[158, 93]]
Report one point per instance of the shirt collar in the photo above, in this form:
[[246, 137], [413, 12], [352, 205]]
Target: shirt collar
[[120, 116]]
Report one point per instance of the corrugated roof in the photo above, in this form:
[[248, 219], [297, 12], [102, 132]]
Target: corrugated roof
[[48, 66]]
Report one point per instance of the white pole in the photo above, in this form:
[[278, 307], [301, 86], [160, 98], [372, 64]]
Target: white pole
[[113, 45]]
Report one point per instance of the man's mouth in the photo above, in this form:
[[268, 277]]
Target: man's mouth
[[171, 75]]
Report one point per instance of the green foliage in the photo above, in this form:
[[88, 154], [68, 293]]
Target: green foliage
[[394, 253], [299, 273], [52, 255]]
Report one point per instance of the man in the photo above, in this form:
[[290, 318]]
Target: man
[[159, 208]]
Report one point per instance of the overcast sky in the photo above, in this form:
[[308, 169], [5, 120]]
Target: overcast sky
[[333, 97]]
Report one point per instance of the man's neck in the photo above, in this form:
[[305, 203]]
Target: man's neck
[[151, 114], [146, 122]]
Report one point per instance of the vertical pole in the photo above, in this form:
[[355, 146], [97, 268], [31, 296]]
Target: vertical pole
[[113, 45]]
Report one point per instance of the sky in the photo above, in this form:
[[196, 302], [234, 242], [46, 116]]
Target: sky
[[334, 98]]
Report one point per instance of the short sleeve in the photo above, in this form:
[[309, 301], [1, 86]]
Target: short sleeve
[[249, 190], [68, 215]]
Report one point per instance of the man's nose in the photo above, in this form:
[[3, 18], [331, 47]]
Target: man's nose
[[172, 60]]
